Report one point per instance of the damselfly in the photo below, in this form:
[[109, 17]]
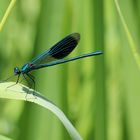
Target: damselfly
[[53, 56]]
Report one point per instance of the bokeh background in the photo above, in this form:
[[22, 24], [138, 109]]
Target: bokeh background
[[100, 95]]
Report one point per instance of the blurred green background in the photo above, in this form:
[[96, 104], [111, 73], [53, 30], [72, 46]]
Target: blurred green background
[[100, 95]]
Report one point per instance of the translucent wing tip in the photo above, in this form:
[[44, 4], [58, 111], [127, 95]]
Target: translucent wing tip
[[76, 36]]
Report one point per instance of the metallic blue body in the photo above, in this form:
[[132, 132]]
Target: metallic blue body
[[25, 68]]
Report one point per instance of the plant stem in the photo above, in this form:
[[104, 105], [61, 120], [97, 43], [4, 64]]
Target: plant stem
[[8, 11], [129, 36]]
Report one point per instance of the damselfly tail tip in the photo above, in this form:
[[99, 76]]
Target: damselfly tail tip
[[97, 53], [100, 52]]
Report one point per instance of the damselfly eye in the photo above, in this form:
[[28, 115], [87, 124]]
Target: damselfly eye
[[16, 71]]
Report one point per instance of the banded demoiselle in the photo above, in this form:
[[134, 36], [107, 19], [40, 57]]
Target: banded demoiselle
[[53, 56]]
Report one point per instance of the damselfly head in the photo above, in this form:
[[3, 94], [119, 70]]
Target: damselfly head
[[17, 71]]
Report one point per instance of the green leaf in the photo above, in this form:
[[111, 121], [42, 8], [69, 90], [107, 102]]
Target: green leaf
[[20, 92], [4, 138]]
